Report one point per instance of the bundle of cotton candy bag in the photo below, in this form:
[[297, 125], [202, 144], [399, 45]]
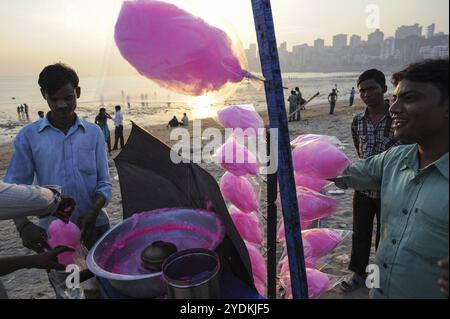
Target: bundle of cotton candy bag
[[236, 158], [315, 184], [242, 117], [319, 159], [281, 234], [318, 283], [62, 234], [247, 225], [321, 241], [177, 50], [259, 267], [240, 192], [315, 137]]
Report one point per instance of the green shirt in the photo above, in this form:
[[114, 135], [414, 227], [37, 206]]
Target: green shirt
[[414, 220]]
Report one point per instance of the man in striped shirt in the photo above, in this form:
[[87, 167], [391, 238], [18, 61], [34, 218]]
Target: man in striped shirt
[[372, 133]]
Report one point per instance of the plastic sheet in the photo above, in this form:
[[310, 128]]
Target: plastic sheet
[[236, 158], [62, 234], [177, 50], [240, 192], [318, 283], [316, 137], [247, 225], [315, 184], [319, 159], [259, 267]]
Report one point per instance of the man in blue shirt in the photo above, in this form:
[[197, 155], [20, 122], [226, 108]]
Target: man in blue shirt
[[62, 149]]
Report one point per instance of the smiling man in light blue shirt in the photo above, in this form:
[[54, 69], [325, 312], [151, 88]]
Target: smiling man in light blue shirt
[[62, 149]]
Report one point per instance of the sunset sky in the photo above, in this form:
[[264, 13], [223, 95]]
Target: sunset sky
[[80, 32]]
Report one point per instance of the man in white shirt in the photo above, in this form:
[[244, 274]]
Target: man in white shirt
[[185, 120], [118, 132]]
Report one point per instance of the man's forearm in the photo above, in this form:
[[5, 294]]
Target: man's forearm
[[99, 202], [20, 223], [11, 264]]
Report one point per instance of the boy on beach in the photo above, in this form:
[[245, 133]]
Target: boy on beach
[[293, 102], [372, 134], [352, 96], [412, 258], [332, 98], [118, 132], [62, 149]]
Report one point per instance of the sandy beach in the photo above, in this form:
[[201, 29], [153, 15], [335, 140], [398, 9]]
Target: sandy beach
[[34, 284]]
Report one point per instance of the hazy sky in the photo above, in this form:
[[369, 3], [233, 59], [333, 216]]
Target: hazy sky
[[80, 32]]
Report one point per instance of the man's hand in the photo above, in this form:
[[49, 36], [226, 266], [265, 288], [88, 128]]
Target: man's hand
[[443, 281], [86, 223], [49, 259], [34, 237], [339, 182], [64, 209]]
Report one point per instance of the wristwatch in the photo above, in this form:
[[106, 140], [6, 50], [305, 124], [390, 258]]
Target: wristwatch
[[56, 194]]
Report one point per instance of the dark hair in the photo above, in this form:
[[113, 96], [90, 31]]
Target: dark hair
[[40, 112], [430, 71], [292, 92], [55, 76], [373, 74], [102, 109], [118, 107]]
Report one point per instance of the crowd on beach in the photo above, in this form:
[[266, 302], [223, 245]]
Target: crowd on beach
[[401, 179]]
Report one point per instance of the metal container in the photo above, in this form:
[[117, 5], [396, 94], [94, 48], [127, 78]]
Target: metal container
[[192, 274], [186, 228]]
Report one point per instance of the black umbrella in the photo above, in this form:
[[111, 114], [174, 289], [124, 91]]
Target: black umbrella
[[149, 180]]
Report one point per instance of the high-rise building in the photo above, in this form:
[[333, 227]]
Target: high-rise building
[[340, 41], [355, 40], [430, 30], [376, 37], [388, 49], [319, 44], [408, 30]]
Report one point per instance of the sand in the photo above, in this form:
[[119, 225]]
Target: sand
[[32, 283]]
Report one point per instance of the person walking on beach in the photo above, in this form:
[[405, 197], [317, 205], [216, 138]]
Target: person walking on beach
[[118, 132], [102, 121], [293, 102], [412, 259], [352, 96], [18, 113], [22, 111], [26, 110], [372, 133], [332, 98], [301, 101]]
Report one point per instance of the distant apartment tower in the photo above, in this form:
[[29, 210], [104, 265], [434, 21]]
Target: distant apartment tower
[[340, 41], [301, 54], [376, 37], [408, 30], [319, 45], [355, 40], [250, 53], [388, 49], [430, 30]]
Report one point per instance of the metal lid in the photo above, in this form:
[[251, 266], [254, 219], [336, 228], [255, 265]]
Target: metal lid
[[154, 255]]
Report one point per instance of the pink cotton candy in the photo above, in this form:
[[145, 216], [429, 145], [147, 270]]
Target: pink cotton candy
[[176, 49], [319, 159], [281, 235], [260, 287], [61, 234], [247, 226], [315, 184], [259, 267], [241, 117], [240, 192], [321, 240], [315, 137], [318, 283], [313, 205], [236, 158]]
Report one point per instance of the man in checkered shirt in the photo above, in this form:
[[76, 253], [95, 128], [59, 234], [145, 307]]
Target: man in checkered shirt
[[372, 133]]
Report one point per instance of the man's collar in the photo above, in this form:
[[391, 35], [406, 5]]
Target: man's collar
[[386, 112], [45, 122], [411, 161]]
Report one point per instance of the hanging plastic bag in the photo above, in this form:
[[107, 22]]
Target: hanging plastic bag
[[62, 234], [247, 225], [316, 137], [236, 158], [318, 283], [315, 184], [242, 117], [259, 267], [240, 192], [177, 50]]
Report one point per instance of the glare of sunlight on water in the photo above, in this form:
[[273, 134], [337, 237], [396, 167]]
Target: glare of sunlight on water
[[202, 107]]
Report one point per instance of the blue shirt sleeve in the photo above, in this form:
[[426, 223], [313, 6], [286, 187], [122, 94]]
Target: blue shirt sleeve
[[104, 186], [21, 167]]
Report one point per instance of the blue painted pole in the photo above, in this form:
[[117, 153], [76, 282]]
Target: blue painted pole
[[265, 30]]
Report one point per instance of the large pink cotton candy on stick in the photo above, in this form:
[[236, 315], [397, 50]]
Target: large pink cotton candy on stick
[[319, 159], [236, 158], [241, 117], [318, 283], [259, 267], [315, 184], [176, 49], [321, 240], [247, 225], [315, 137], [239, 191], [61, 234], [281, 234]]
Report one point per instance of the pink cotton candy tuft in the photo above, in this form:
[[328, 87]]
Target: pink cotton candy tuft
[[247, 225], [259, 267], [315, 184], [319, 159], [281, 235], [313, 205], [318, 283], [61, 234], [236, 158], [260, 287], [315, 137], [321, 240], [239, 191], [241, 117], [176, 49]]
